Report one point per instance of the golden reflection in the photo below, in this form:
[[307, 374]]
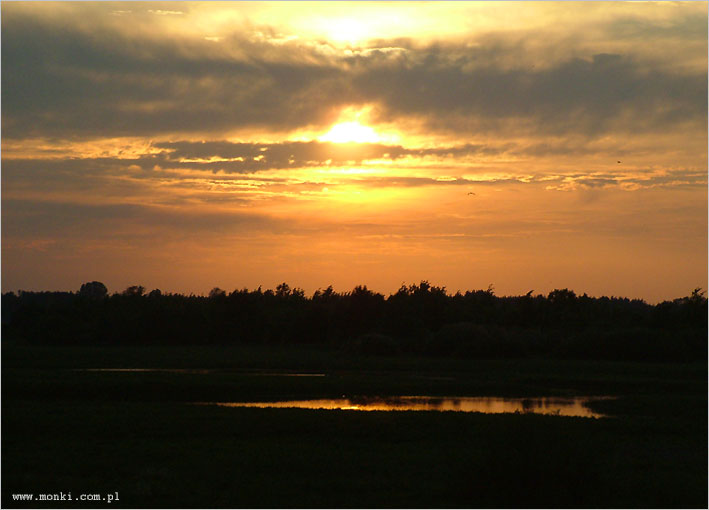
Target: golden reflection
[[555, 406]]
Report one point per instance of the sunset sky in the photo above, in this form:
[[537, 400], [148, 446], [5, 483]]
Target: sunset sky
[[184, 146]]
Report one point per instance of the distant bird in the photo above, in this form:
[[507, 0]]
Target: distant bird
[[618, 161], [471, 193]]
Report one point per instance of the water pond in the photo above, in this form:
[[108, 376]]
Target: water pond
[[539, 405]]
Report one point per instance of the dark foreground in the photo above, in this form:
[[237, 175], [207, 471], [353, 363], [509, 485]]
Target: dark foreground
[[134, 433]]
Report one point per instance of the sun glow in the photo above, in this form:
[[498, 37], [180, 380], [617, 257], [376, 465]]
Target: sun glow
[[347, 30], [346, 132]]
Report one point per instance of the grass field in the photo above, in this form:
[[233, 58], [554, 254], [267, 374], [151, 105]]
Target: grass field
[[135, 433]]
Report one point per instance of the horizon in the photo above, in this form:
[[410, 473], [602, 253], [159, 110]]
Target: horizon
[[386, 294], [540, 145]]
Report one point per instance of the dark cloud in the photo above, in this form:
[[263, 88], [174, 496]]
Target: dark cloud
[[237, 157], [60, 81], [412, 182], [27, 219], [682, 27], [182, 162], [268, 156], [587, 96], [597, 182]]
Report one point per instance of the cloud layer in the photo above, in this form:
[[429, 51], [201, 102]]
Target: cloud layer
[[67, 81]]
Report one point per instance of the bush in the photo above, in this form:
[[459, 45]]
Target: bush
[[374, 344]]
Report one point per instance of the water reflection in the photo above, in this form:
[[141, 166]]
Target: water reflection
[[541, 405], [202, 371], [166, 370]]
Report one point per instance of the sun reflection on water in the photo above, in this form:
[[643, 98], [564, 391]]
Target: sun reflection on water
[[575, 406]]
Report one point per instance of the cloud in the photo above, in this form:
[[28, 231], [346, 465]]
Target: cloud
[[589, 96], [165, 13], [71, 81], [243, 157], [28, 219]]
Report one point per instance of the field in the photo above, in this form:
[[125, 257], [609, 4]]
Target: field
[[135, 433]]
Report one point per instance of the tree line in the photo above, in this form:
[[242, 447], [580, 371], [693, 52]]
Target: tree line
[[419, 319]]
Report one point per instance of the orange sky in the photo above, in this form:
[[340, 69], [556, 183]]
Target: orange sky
[[527, 145]]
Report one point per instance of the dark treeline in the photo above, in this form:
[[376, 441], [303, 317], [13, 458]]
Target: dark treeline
[[416, 320]]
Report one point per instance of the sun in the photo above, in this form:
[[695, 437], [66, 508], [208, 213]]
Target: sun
[[350, 132], [347, 30], [352, 126]]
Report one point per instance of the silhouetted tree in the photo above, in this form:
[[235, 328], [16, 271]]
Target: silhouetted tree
[[417, 319], [282, 290], [216, 292], [134, 290], [93, 290]]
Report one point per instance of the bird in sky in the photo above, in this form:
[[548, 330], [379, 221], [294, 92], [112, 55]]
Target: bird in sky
[[471, 193]]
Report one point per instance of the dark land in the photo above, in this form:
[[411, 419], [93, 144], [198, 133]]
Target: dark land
[[65, 429]]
